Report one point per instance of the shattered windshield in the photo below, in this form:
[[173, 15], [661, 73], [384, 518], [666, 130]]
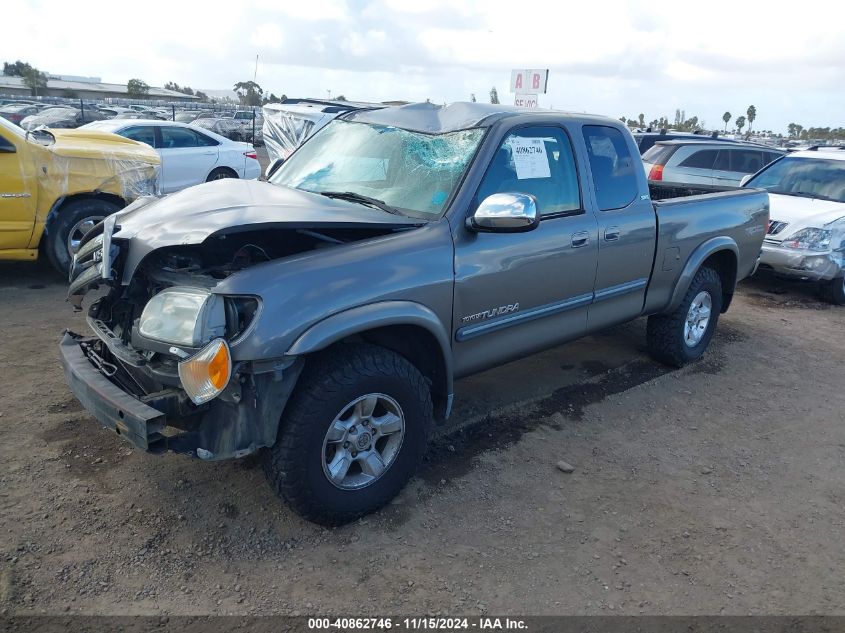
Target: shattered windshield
[[409, 172], [819, 178]]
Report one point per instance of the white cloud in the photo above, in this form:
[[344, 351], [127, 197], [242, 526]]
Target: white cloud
[[608, 57]]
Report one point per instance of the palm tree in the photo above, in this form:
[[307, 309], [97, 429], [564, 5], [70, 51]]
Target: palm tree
[[726, 117], [740, 123], [752, 114]]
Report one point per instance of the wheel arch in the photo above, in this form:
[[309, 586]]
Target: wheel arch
[[226, 168], [405, 327], [64, 200], [721, 254]]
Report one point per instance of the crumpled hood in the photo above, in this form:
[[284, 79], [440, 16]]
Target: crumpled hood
[[191, 215], [88, 143], [231, 205], [804, 211]]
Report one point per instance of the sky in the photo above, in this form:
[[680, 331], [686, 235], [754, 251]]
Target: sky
[[612, 58]]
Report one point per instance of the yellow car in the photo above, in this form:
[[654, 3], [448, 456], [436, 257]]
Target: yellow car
[[57, 184]]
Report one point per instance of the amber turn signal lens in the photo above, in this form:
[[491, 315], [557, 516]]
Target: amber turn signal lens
[[207, 372]]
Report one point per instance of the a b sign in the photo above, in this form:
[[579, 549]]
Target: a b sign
[[529, 82]]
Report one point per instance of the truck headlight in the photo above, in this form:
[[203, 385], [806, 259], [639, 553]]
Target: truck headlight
[[207, 372], [811, 239], [183, 316]]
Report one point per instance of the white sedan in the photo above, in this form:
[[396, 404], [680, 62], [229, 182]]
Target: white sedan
[[189, 155]]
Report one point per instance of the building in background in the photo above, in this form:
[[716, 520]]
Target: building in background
[[85, 88]]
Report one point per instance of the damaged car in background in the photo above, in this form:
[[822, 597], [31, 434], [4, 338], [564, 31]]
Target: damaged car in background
[[806, 236], [324, 316]]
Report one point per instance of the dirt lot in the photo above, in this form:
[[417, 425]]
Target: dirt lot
[[718, 488]]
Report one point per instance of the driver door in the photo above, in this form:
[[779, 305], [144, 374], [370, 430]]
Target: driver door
[[517, 293], [18, 193]]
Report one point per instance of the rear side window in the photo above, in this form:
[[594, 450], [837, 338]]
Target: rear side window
[[612, 166], [746, 161], [702, 159], [142, 133], [177, 137], [659, 154]]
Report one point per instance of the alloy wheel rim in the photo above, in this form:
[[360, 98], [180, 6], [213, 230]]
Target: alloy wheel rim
[[78, 231], [363, 441], [698, 318]]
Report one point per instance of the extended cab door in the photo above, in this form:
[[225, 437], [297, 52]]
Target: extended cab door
[[627, 226], [18, 191], [517, 293]]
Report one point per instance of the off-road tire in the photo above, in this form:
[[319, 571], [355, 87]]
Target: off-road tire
[[833, 291], [665, 332], [219, 173], [294, 465], [64, 219]]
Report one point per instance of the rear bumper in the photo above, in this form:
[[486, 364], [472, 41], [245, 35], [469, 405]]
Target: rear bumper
[[802, 264], [115, 409]]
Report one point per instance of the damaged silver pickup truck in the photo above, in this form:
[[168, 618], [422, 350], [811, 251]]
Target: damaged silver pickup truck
[[323, 316]]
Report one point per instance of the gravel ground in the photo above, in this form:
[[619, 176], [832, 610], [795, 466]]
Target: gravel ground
[[713, 489]]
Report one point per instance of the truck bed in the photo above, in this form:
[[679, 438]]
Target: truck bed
[[667, 190], [691, 215]]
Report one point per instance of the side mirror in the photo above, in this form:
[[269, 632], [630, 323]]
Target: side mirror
[[505, 213], [273, 167], [745, 179]]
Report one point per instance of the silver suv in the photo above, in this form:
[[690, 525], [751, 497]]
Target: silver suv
[[703, 163]]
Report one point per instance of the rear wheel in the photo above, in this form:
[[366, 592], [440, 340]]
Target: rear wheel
[[219, 173], [352, 435], [683, 336], [70, 224], [834, 291]]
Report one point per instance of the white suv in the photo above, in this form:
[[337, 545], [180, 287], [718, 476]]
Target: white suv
[[806, 233]]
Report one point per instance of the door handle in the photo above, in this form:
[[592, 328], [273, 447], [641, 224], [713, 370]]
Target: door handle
[[611, 233], [580, 239]]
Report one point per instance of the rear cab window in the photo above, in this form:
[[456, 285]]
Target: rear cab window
[[614, 175]]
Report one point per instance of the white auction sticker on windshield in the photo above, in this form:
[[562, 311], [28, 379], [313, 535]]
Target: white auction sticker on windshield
[[529, 158]]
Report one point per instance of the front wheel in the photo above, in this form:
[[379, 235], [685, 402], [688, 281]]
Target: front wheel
[[683, 336], [352, 435], [833, 291], [70, 224]]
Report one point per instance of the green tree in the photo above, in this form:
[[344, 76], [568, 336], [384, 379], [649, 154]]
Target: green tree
[[641, 119], [137, 88], [34, 79], [249, 93], [751, 113], [340, 98], [201, 95], [494, 95], [740, 123], [472, 97], [726, 117]]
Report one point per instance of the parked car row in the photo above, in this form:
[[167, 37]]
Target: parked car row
[[189, 154]]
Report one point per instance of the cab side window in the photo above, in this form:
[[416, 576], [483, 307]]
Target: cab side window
[[537, 161], [614, 175]]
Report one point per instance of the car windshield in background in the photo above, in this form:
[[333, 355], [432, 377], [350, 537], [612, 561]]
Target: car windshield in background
[[805, 177], [410, 172]]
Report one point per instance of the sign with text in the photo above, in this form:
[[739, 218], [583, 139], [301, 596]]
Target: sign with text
[[529, 82], [525, 101]]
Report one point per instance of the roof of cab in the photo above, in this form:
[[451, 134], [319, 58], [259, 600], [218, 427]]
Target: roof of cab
[[430, 118]]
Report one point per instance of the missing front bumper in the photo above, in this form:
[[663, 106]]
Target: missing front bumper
[[219, 430]]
